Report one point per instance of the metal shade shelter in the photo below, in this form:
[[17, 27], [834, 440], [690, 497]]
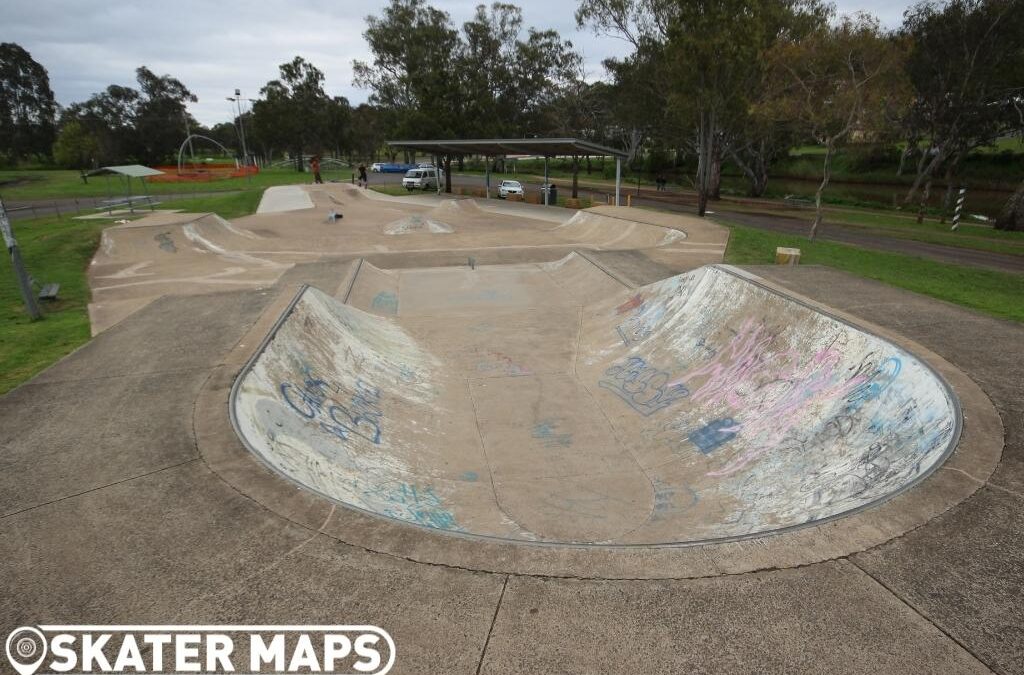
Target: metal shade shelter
[[127, 172], [495, 147]]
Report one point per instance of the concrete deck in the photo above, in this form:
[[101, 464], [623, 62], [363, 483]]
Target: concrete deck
[[126, 497]]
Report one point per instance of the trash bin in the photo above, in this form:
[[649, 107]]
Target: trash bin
[[549, 194]]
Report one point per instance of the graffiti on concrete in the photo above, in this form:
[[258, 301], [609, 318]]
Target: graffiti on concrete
[[546, 431], [412, 503], [498, 363], [714, 434], [386, 302], [165, 242], [317, 399], [747, 412], [631, 304], [645, 388]]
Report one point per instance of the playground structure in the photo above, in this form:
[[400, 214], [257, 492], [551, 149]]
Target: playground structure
[[192, 171]]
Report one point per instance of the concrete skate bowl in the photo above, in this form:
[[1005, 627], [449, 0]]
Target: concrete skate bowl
[[547, 405]]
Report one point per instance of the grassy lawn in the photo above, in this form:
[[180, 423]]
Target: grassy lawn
[[19, 185], [59, 251], [996, 293], [395, 190]]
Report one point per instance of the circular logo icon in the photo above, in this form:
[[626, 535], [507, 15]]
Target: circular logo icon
[[26, 649]]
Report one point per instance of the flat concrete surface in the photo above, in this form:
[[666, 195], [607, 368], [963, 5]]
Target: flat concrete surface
[[112, 515]]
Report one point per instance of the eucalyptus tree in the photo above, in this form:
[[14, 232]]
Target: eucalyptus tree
[[293, 112], [966, 67], [27, 106], [490, 78], [834, 83]]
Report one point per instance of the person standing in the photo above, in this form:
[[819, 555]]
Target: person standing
[[363, 179], [314, 166]]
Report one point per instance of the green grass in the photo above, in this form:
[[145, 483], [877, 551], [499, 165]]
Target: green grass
[[56, 184], [395, 190], [54, 251], [998, 294], [905, 227], [59, 251]]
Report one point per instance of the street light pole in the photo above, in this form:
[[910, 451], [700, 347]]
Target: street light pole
[[237, 98]]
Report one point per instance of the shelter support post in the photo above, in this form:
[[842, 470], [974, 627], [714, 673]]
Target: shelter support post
[[618, 178], [487, 177], [546, 189]]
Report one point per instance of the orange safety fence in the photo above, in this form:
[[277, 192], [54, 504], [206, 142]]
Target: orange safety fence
[[201, 173]]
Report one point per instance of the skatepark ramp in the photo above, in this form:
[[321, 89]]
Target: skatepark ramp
[[517, 402]]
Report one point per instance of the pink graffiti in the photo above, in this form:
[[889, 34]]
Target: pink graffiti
[[774, 391]]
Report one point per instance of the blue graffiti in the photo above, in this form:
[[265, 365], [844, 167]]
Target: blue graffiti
[[714, 434], [645, 388], [545, 431], [877, 382], [669, 499], [641, 324], [317, 399], [419, 505], [386, 302]]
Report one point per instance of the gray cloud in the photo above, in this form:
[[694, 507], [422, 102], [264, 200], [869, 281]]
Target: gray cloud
[[214, 47]]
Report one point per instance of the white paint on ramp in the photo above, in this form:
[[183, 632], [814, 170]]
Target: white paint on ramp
[[282, 198]]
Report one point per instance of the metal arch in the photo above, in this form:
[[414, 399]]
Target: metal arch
[[188, 138]]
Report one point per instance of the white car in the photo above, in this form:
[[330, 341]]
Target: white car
[[510, 187], [375, 167], [420, 179]]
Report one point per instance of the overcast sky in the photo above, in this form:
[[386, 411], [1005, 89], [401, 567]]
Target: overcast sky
[[214, 47]]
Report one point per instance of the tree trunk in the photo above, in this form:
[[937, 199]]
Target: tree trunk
[[924, 200], [715, 180], [947, 200], [925, 173], [448, 174], [756, 170], [588, 165], [704, 141], [1012, 215], [462, 163], [905, 155], [575, 177], [826, 174]]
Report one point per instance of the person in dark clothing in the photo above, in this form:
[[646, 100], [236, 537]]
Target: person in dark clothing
[[363, 180], [314, 166]]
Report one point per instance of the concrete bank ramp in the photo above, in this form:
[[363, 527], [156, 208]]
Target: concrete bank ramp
[[416, 223], [702, 407], [280, 198], [186, 253]]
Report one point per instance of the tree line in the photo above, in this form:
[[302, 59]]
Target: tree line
[[706, 83]]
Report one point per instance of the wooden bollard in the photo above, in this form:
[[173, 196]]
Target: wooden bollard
[[629, 200], [787, 256]]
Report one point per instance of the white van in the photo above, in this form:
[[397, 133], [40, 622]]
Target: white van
[[421, 179]]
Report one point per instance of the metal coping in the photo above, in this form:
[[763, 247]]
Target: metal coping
[[728, 269]]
